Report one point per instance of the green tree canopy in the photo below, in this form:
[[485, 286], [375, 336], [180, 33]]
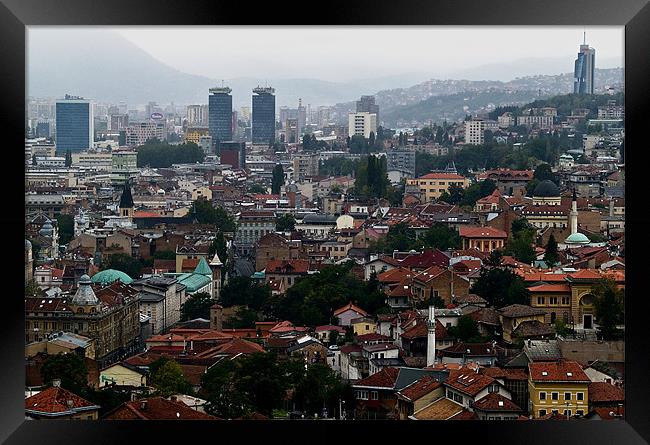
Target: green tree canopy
[[123, 262], [65, 224], [285, 223], [243, 291], [551, 255], [609, 305], [158, 154], [197, 306], [69, 368], [168, 379], [466, 330], [206, 213], [501, 287]]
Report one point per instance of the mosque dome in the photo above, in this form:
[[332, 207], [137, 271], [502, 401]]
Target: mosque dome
[[577, 238], [546, 189], [47, 229], [109, 276]]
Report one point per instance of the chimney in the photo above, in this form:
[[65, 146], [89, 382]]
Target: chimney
[[173, 398], [133, 396], [143, 405], [56, 383]]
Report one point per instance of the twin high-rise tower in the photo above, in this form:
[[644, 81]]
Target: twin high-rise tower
[[583, 75], [220, 120]]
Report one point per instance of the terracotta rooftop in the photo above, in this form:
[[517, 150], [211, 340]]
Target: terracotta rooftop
[[520, 310], [467, 381], [352, 307], [156, 408], [419, 388], [441, 409], [551, 288], [496, 402], [56, 401], [481, 232], [603, 392], [559, 371], [384, 379], [287, 266]]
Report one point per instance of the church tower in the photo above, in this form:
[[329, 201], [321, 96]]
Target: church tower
[[126, 202]]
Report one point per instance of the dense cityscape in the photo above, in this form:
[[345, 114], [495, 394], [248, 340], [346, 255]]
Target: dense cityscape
[[452, 250]]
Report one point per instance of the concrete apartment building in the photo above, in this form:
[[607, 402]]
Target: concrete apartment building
[[432, 185], [362, 124]]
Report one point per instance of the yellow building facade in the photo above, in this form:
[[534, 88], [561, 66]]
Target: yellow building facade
[[433, 185]]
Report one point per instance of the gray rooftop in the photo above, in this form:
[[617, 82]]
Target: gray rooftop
[[542, 350]]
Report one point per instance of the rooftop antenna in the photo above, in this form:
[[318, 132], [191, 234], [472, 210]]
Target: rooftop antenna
[[584, 37]]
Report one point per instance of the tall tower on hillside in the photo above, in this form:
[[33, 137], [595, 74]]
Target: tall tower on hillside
[[431, 337], [583, 82]]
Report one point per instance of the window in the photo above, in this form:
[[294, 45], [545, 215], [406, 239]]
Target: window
[[555, 411], [493, 388], [565, 300], [567, 412], [450, 395], [374, 395], [540, 300], [567, 396], [362, 395], [553, 300], [580, 396], [542, 412], [555, 396], [542, 396], [458, 398]]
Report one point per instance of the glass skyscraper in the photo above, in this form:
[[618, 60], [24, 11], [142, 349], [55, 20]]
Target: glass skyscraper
[[74, 124], [263, 130], [583, 75], [220, 114]]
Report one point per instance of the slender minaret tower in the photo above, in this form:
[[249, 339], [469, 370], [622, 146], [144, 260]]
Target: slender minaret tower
[[573, 216], [431, 338]]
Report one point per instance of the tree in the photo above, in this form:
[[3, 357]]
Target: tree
[[609, 306], [68, 158], [31, 288], [501, 287], [543, 172], [245, 318], [256, 188], [219, 247], [320, 388], [466, 330], [551, 254], [168, 379], [277, 180], [69, 368], [285, 223], [520, 245], [197, 306], [205, 213], [260, 379], [441, 236], [243, 291], [400, 237], [65, 224], [124, 263], [158, 154]]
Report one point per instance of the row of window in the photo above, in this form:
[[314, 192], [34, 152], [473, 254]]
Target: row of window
[[362, 394], [567, 412], [554, 300], [556, 395]]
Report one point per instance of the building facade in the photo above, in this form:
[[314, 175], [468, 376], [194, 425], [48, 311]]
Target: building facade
[[263, 125], [220, 113], [74, 124]]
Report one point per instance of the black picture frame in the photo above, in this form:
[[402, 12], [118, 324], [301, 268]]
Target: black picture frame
[[16, 15]]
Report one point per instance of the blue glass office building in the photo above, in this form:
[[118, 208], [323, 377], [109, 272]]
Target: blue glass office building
[[583, 82], [74, 124], [220, 114], [263, 130]]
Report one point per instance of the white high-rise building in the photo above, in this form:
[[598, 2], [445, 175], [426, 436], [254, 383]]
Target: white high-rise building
[[362, 123]]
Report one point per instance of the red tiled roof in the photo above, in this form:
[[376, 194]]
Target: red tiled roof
[[394, 275], [190, 263], [468, 381], [419, 388], [287, 266], [546, 277], [504, 374], [55, 400], [601, 392], [352, 307], [560, 371], [481, 232], [430, 273], [383, 379], [157, 408], [496, 402], [330, 327], [586, 274], [373, 336], [421, 330], [550, 288], [609, 412], [442, 176]]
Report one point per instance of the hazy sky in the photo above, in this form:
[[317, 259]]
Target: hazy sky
[[350, 53]]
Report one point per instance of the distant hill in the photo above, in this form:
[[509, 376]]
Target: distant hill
[[109, 68]]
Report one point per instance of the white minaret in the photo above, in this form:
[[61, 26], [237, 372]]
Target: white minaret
[[573, 216], [431, 338]]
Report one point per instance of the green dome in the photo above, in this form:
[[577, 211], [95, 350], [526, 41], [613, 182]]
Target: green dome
[[110, 275], [577, 238]]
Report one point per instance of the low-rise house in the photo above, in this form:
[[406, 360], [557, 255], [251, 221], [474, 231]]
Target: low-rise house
[[156, 408], [346, 313], [513, 315], [58, 403], [310, 349], [123, 374], [605, 395], [354, 366], [363, 325], [437, 282], [418, 395], [495, 406], [559, 387], [323, 333], [463, 353], [375, 395], [379, 355], [286, 272], [485, 239]]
